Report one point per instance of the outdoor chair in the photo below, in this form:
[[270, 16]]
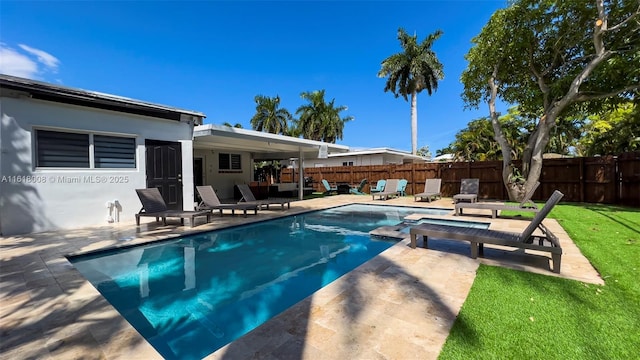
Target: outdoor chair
[[390, 190], [431, 190], [379, 186], [402, 187], [249, 198], [525, 205], [358, 189], [153, 205], [211, 202], [468, 191], [329, 189], [547, 242]]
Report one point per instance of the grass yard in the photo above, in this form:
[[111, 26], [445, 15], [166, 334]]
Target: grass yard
[[517, 315]]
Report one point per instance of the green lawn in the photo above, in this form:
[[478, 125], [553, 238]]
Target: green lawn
[[517, 315]]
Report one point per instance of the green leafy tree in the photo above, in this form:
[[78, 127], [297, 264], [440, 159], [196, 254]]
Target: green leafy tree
[[424, 152], [613, 132], [237, 125], [475, 142], [319, 120], [555, 60], [269, 116], [411, 71]]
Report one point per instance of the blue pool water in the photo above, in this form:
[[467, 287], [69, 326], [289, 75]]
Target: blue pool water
[[192, 295]]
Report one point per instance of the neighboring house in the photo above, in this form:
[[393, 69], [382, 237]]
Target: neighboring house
[[71, 158], [444, 158], [374, 156], [225, 156]]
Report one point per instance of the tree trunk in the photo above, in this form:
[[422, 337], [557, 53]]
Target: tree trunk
[[414, 123]]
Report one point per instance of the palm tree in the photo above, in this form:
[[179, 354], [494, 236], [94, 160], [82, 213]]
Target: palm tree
[[319, 120], [269, 118], [409, 72]]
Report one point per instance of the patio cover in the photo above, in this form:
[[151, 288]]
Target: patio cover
[[262, 146]]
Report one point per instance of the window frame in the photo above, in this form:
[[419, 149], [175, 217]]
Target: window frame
[[232, 160], [91, 149]]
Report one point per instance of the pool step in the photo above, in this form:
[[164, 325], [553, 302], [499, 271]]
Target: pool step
[[393, 231]]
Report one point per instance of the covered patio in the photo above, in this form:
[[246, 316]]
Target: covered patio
[[227, 156]]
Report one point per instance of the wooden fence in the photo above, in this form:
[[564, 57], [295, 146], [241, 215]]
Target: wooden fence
[[607, 179]]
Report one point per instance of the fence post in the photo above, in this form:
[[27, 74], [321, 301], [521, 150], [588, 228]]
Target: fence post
[[581, 171]]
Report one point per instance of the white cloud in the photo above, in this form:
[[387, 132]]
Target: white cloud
[[28, 63], [44, 57]]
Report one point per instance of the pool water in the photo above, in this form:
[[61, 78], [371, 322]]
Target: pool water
[[192, 295]]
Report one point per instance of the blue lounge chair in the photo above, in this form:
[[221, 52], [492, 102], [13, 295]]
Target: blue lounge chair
[[358, 189], [379, 186], [329, 189], [402, 186]]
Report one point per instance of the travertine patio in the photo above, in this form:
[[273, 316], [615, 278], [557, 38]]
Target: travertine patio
[[399, 305]]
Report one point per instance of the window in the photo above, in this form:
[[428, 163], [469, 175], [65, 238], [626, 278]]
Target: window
[[72, 150], [58, 149], [114, 152], [230, 162], [350, 163]]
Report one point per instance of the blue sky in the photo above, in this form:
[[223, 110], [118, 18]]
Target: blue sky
[[215, 57]]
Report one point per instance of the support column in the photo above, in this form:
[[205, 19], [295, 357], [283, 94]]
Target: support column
[[300, 174]]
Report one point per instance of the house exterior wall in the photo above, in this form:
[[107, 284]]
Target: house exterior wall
[[223, 181], [358, 160], [39, 199]]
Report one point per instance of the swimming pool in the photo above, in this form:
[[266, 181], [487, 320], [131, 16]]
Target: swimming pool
[[192, 295]]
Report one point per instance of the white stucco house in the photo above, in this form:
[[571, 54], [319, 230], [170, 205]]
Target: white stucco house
[[365, 157], [71, 158]]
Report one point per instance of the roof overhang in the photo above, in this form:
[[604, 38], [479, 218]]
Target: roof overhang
[[406, 156], [20, 87], [263, 146]]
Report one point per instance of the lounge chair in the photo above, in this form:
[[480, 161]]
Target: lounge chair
[[478, 237], [525, 205], [468, 191], [329, 189], [431, 190], [402, 186], [358, 189], [249, 198], [390, 190], [379, 187], [153, 205], [211, 202]]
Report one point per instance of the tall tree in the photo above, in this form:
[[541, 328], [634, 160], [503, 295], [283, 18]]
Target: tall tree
[[319, 120], [409, 72], [554, 59], [269, 116]]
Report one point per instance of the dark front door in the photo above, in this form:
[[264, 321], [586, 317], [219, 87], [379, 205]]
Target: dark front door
[[164, 170]]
